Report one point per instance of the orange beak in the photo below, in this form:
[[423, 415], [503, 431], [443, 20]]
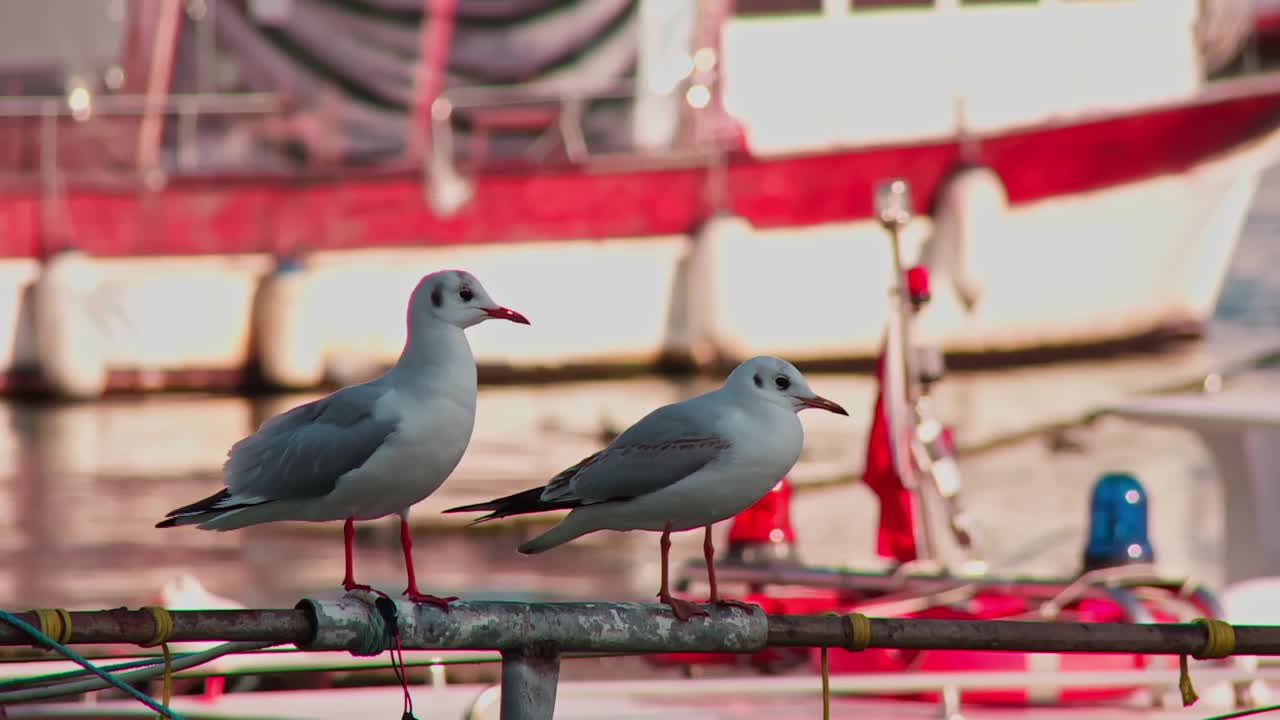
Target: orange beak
[[502, 313]]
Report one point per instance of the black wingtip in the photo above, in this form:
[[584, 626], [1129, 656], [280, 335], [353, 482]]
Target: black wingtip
[[521, 503], [495, 515], [203, 505], [470, 508], [171, 522]]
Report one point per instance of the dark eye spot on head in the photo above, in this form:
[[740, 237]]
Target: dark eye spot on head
[[782, 381], [465, 293], [759, 383], [436, 296]]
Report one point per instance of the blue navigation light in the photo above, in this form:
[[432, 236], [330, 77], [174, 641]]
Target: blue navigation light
[[1117, 523]]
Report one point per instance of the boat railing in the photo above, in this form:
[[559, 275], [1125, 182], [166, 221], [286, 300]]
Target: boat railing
[[531, 639], [557, 117], [58, 117], [113, 141], [191, 104]]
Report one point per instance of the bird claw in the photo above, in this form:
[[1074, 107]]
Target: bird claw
[[682, 609], [423, 598], [359, 587]]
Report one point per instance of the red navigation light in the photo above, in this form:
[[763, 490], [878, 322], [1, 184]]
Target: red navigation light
[[768, 521], [918, 284]]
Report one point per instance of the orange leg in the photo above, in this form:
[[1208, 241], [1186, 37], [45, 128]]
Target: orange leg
[[682, 609]]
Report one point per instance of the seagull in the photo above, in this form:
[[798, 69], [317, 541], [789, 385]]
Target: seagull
[[683, 466], [370, 450]]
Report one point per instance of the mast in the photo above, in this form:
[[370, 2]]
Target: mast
[[164, 41], [708, 125], [433, 59], [707, 116]]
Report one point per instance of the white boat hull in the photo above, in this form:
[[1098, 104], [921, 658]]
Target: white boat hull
[[1084, 269]]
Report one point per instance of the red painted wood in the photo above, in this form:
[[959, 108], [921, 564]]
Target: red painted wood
[[364, 208], [1266, 21]]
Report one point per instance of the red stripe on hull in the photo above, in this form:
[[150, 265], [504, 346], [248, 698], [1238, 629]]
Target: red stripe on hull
[[361, 209]]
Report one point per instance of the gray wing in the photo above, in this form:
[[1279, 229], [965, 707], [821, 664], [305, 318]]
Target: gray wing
[[302, 453], [666, 446]]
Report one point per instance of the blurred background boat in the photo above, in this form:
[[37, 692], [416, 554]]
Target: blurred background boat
[[214, 193], [219, 193]]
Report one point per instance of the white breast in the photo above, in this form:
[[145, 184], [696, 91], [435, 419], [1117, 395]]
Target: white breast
[[414, 462]]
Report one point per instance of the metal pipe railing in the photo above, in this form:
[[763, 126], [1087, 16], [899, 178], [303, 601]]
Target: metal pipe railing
[[343, 624], [532, 636]]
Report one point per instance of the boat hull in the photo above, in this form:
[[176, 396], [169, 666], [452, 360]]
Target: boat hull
[[1071, 235]]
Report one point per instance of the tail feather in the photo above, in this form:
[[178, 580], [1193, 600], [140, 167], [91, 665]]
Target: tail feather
[[521, 503], [567, 529], [216, 505]]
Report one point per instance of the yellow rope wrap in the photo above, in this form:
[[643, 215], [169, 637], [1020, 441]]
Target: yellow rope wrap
[[860, 628], [859, 639], [1220, 642], [164, 626], [56, 623], [164, 630]]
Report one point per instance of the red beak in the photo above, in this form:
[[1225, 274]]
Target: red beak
[[502, 313], [821, 403]]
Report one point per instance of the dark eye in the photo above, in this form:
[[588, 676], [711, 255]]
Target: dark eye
[[782, 382], [466, 294]]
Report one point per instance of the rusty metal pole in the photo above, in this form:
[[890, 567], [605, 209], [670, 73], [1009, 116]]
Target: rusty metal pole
[[349, 624], [530, 676], [139, 626]]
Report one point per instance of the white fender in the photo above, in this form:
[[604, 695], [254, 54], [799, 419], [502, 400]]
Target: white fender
[[292, 350], [70, 347], [972, 205]]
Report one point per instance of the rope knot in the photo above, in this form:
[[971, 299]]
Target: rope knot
[[378, 634], [858, 638], [164, 630], [1220, 642], [163, 624]]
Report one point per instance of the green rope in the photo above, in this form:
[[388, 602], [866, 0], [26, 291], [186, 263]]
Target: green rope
[[75, 657], [1243, 713]]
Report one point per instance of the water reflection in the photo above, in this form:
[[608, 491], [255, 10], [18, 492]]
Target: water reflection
[[86, 482]]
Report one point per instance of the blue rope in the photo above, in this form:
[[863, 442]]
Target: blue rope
[[75, 657]]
